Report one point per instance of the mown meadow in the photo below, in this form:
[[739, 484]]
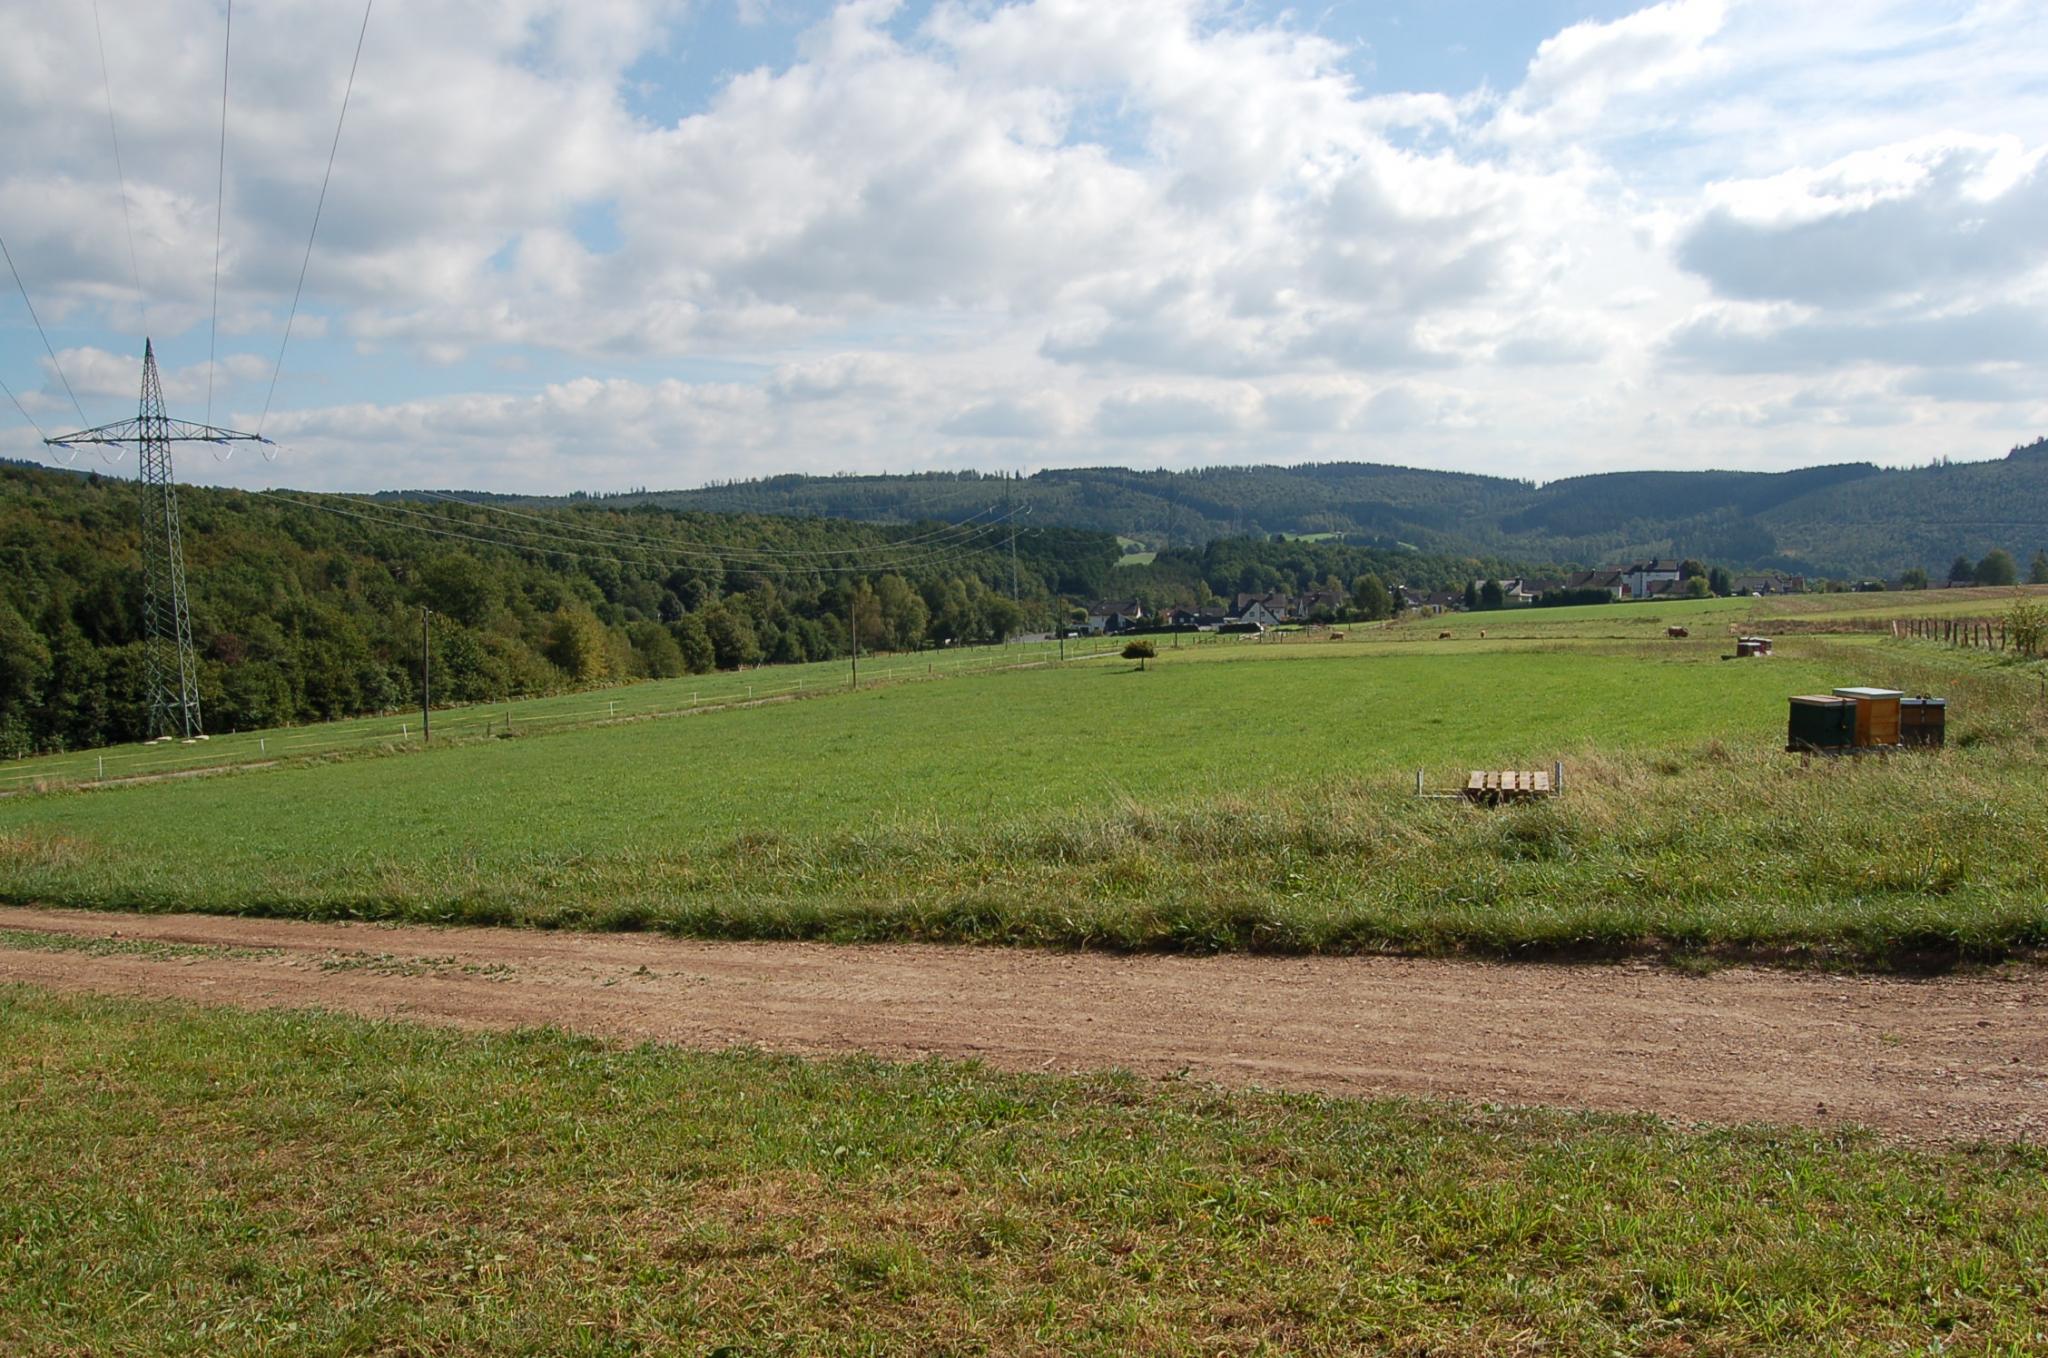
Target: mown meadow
[[189, 1181], [1248, 796]]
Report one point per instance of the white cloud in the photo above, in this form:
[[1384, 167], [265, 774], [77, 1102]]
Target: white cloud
[[1039, 415], [1040, 232], [1150, 412], [839, 375], [1577, 76], [1911, 219]]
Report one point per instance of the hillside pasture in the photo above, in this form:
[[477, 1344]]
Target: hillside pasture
[[657, 698], [1245, 796]]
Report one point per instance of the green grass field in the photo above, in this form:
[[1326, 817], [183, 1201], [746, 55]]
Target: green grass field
[[1253, 795], [698, 693], [176, 1180], [654, 698]]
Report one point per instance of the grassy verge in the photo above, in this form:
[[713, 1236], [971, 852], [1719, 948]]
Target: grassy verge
[[182, 1181]]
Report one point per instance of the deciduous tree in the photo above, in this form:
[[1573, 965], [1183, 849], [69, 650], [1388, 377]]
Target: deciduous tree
[[1998, 568]]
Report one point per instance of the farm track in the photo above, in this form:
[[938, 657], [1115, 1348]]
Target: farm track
[[1931, 1061]]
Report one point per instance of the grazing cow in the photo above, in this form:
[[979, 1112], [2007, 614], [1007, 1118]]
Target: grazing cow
[[1336, 636], [1482, 634], [1677, 633], [1443, 636]]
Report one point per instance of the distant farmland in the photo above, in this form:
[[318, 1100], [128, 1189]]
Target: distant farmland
[[1234, 796]]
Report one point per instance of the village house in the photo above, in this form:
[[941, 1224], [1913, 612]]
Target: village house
[[1770, 582], [1193, 617], [1114, 616], [1653, 579], [1268, 610], [1331, 601], [1518, 590], [1607, 577], [1637, 581]]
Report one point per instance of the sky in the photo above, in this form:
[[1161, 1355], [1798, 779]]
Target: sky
[[603, 244]]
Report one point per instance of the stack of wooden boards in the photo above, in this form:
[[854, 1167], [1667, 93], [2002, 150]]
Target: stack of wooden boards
[[1507, 785]]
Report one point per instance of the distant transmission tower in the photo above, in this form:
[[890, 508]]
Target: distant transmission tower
[[173, 675]]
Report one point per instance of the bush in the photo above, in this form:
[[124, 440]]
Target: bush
[[2026, 622], [1141, 651]]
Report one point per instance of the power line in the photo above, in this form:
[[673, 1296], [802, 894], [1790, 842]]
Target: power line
[[4, 254], [220, 184], [22, 408], [318, 205], [120, 175], [600, 533]]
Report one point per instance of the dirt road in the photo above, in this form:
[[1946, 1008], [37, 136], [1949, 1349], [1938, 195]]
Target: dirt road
[[1931, 1061]]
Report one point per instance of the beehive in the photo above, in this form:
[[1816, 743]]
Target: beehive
[[1923, 721], [1877, 715], [1821, 721]]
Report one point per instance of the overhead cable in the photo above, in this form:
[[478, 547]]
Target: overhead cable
[[23, 288], [318, 205], [22, 408], [220, 185], [120, 175]]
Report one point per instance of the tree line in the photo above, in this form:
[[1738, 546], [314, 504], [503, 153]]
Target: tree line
[[305, 613]]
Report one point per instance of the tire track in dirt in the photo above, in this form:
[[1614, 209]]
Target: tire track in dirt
[[1937, 1060]]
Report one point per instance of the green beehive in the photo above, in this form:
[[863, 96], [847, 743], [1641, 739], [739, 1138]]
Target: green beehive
[[1821, 721]]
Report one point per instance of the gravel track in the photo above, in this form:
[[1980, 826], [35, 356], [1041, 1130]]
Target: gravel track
[[1936, 1060]]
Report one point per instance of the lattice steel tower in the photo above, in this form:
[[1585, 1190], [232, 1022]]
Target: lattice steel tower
[[172, 672]]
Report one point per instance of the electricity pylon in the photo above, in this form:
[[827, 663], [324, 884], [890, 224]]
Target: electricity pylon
[[173, 674]]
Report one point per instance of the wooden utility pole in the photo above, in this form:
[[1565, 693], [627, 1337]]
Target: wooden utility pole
[[426, 680], [853, 615]]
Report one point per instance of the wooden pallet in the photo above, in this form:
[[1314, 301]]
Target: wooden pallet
[[1507, 785]]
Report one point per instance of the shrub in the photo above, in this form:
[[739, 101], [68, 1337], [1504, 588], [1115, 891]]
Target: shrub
[[2026, 623], [1141, 651]]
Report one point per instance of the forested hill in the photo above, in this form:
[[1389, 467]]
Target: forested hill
[[1851, 519], [307, 607]]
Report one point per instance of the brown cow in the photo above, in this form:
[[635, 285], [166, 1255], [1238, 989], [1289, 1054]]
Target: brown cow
[[1443, 636], [1676, 633]]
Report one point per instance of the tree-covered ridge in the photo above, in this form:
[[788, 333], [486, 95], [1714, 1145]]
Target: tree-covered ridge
[[307, 607], [1852, 519]]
